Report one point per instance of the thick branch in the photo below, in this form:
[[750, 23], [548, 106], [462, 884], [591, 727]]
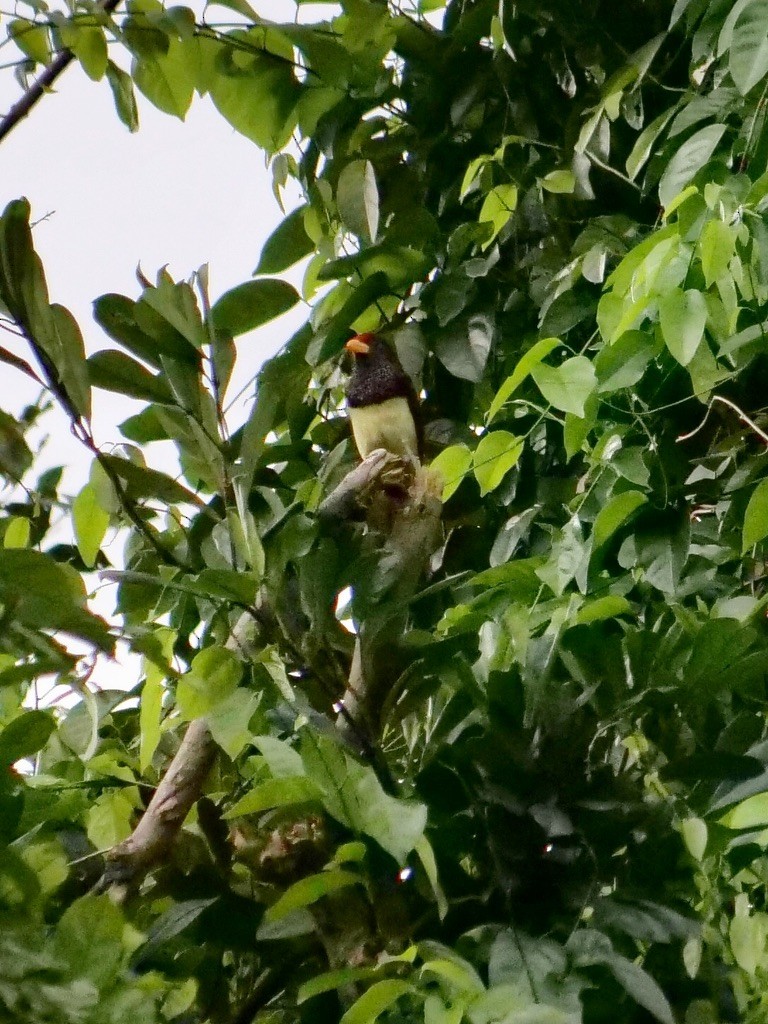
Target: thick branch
[[42, 84], [179, 788]]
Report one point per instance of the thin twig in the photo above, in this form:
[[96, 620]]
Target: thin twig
[[739, 412]]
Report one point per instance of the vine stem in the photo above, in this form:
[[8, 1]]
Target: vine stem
[[42, 84]]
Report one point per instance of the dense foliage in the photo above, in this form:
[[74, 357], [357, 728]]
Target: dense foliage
[[559, 211]]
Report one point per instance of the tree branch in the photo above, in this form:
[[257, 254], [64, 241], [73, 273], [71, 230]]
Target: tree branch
[[42, 84]]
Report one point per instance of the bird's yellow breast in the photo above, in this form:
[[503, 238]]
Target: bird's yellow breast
[[386, 425]]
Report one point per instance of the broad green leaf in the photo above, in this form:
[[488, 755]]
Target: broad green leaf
[[89, 940], [309, 890], [167, 79], [150, 712], [258, 101], [643, 147], [622, 363], [494, 456], [252, 304], [173, 922], [602, 608], [109, 820], [615, 514], [717, 245], [25, 736], [755, 526], [46, 595], [333, 979], [214, 675], [453, 464], [568, 386], [275, 793], [354, 796], [90, 521], [464, 346], [69, 356], [694, 831], [357, 198], [688, 161], [287, 244], [532, 358], [498, 206], [641, 987], [750, 813], [121, 85], [230, 721], [115, 371], [284, 762], [378, 998], [748, 56], [89, 45], [683, 316], [31, 39], [562, 181], [17, 532], [142, 482], [748, 933]]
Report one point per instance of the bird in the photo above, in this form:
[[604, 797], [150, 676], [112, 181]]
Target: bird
[[382, 402]]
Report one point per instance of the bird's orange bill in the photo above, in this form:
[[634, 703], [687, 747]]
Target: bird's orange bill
[[359, 345]]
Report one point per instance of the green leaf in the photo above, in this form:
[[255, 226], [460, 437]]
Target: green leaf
[[252, 304], [494, 456], [275, 793], [748, 56], [641, 987], [748, 934], [287, 244], [17, 532], [623, 363], [688, 161], [357, 198], [143, 482], [167, 79], [683, 316], [89, 45], [109, 820], [498, 206], [750, 813], [89, 940], [694, 832], [615, 514], [643, 147], [532, 358], [90, 521], [453, 464], [717, 246], [115, 371], [213, 676], [173, 922], [46, 595], [602, 608], [330, 980], [25, 736], [562, 181], [69, 357], [755, 517], [31, 39], [309, 890], [463, 348], [568, 386], [258, 101], [121, 85], [378, 998], [354, 796]]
